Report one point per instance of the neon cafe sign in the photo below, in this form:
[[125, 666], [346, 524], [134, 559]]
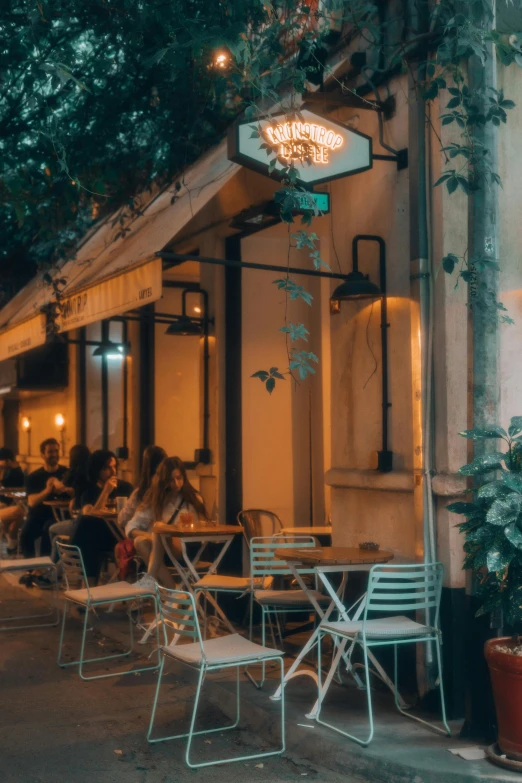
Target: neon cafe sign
[[303, 141], [319, 149]]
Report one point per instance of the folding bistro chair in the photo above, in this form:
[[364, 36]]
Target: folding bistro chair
[[265, 564], [392, 588], [91, 598], [226, 652], [41, 563]]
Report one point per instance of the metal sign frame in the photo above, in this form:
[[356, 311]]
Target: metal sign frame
[[235, 155]]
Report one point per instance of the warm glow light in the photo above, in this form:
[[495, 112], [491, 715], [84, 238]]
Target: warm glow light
[[26, 424], [303, 141], [197, 309], [59, 420], [221, 60]]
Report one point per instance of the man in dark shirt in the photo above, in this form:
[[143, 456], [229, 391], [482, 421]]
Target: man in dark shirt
[[41, 485], [11, 513], [11, 474]]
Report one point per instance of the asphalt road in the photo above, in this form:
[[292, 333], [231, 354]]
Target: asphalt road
[[55, 728]]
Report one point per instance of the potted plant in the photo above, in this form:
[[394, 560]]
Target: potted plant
[[493, 547]]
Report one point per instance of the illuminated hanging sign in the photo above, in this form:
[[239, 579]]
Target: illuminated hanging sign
[[319, 149]]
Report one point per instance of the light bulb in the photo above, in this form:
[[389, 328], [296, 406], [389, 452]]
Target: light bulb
[[59, 420], [26, 424], [221, 60]]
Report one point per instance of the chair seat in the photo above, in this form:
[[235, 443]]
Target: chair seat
[[224, 649], [117, 591], [26, 564], [219, 582], [394, 627], [289, 597]]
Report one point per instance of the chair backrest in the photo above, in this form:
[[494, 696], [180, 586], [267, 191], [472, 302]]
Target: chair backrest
[[178, 608], [257, 522], [404, 588], [263, 560], [73, 565]]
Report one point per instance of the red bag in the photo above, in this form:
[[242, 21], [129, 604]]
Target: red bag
[[125, 554]]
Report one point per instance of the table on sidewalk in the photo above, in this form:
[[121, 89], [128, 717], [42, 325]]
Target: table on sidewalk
[[321, 532], [59, 508], [326, 561], [202, 533]]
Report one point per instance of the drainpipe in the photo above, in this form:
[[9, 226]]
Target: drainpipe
[[483, 240], [421, 324], [421, 305]]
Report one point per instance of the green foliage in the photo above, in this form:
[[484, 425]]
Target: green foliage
[[268, 377], [493, 526]]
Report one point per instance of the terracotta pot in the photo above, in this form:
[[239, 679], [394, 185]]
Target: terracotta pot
[[506, 678]]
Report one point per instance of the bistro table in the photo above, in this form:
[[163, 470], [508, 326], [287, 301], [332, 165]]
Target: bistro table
[[59, 508], [202, 533], [325, 561]]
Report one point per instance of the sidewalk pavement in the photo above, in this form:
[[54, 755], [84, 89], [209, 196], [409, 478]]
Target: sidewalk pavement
[[74, 728]]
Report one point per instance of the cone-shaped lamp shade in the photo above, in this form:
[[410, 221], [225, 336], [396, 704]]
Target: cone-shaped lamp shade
[[185, 327], [356, 286], [110, 349]]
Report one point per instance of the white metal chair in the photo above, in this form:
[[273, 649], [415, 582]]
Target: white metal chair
[[392, 589], [27, 564], [226, 652], [90, 598], [264, 564]]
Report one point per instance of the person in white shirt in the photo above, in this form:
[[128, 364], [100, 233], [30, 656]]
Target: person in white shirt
[[170, 495]]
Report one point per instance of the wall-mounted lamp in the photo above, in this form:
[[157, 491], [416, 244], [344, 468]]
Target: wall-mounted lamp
[[357, 287], [25, 423], [111, 350], [59, 421]]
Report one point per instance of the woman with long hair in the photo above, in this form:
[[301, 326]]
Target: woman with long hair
[[150, 461], [170, 494]]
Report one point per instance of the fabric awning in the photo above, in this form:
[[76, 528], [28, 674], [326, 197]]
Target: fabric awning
[[112, 270], [114, 295], [27, 334]]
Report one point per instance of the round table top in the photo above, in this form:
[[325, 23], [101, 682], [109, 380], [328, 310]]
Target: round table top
[[57, 503], [334, 555], [205, 529]]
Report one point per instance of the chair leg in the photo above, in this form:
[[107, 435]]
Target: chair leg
[[441, 685], [446, 729], [81, 661], [155, 702], [62, 632], [193, 733], [359, 740], [254, 682]]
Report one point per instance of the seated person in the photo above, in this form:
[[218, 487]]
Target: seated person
[[11, 513], [152, 457], [170, 493], [41, 485], [92, 535], [76, 482]]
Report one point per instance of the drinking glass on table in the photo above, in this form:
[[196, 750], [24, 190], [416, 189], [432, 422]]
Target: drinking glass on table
[[186, 519], [120, 502]]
